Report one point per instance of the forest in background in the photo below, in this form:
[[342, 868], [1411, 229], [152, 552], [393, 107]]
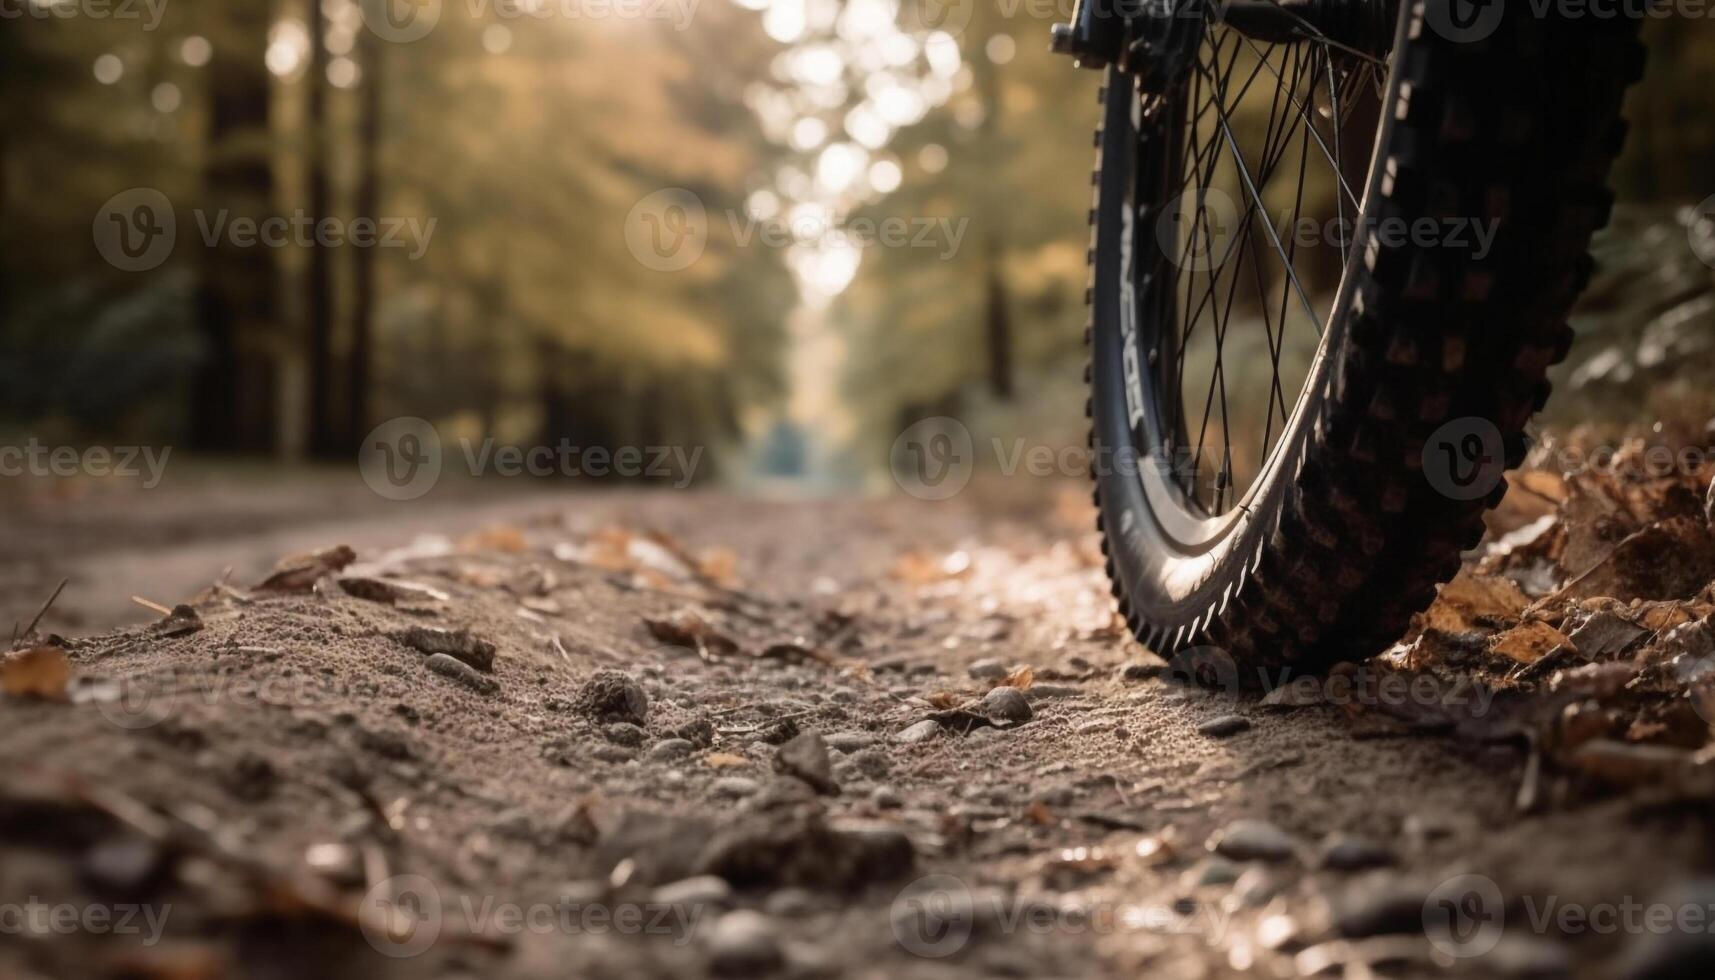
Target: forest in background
[[530, 142]]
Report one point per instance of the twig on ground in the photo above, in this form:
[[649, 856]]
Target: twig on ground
[[146, 604], [43, 611]]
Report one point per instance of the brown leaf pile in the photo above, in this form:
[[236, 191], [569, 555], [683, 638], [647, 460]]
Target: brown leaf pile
[[1595, 590]]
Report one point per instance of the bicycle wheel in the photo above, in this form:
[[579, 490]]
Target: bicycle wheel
[[1328, 277]]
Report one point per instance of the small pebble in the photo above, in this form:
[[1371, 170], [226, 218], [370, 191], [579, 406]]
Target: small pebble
[[734, 787], [1343, 853], [806, 757], [1211, 871], [987, 670], [850, 741], [1225, 726], [1006, 705], [744, 944], [670, 749], [625, 733], [923, 731], [1253, 840], [691, 893]]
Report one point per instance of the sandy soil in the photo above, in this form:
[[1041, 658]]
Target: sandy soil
[[766, 743]]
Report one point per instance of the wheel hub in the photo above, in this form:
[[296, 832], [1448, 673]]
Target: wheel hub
[[1157, 40]]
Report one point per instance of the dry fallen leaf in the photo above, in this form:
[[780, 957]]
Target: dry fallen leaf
[[720, 566], [687, 629], [1475, 603], [42, 673], [389, 590], [1529, 642], [919, 568], [300, 573], [501, 537], [1020, 677]]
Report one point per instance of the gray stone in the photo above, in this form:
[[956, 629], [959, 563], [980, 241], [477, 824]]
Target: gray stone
[[923, 731], [1005, 705], [1344, 853], [1224, 726], [806, 757], [987, 670], [1211, 871], [694, 893], [1253, 840], [625, 733], [1141, 672], [734, 787], [850, 741], [1380, 907], [670, 749], [744, 944], [459, 644]]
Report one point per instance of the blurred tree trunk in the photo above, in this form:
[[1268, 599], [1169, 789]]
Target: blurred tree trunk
[[325, 432], [234, 390], [997, 323], [997, 318], [554, 401], [358, 366]]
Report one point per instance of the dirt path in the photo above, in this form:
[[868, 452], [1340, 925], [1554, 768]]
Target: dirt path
[[292, 787]]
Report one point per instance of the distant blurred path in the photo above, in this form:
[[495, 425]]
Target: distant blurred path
[[168, 544]]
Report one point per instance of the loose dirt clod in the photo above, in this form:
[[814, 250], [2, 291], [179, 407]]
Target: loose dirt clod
[[460, 644], [612, 695], [806, 757], [458, 670]]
